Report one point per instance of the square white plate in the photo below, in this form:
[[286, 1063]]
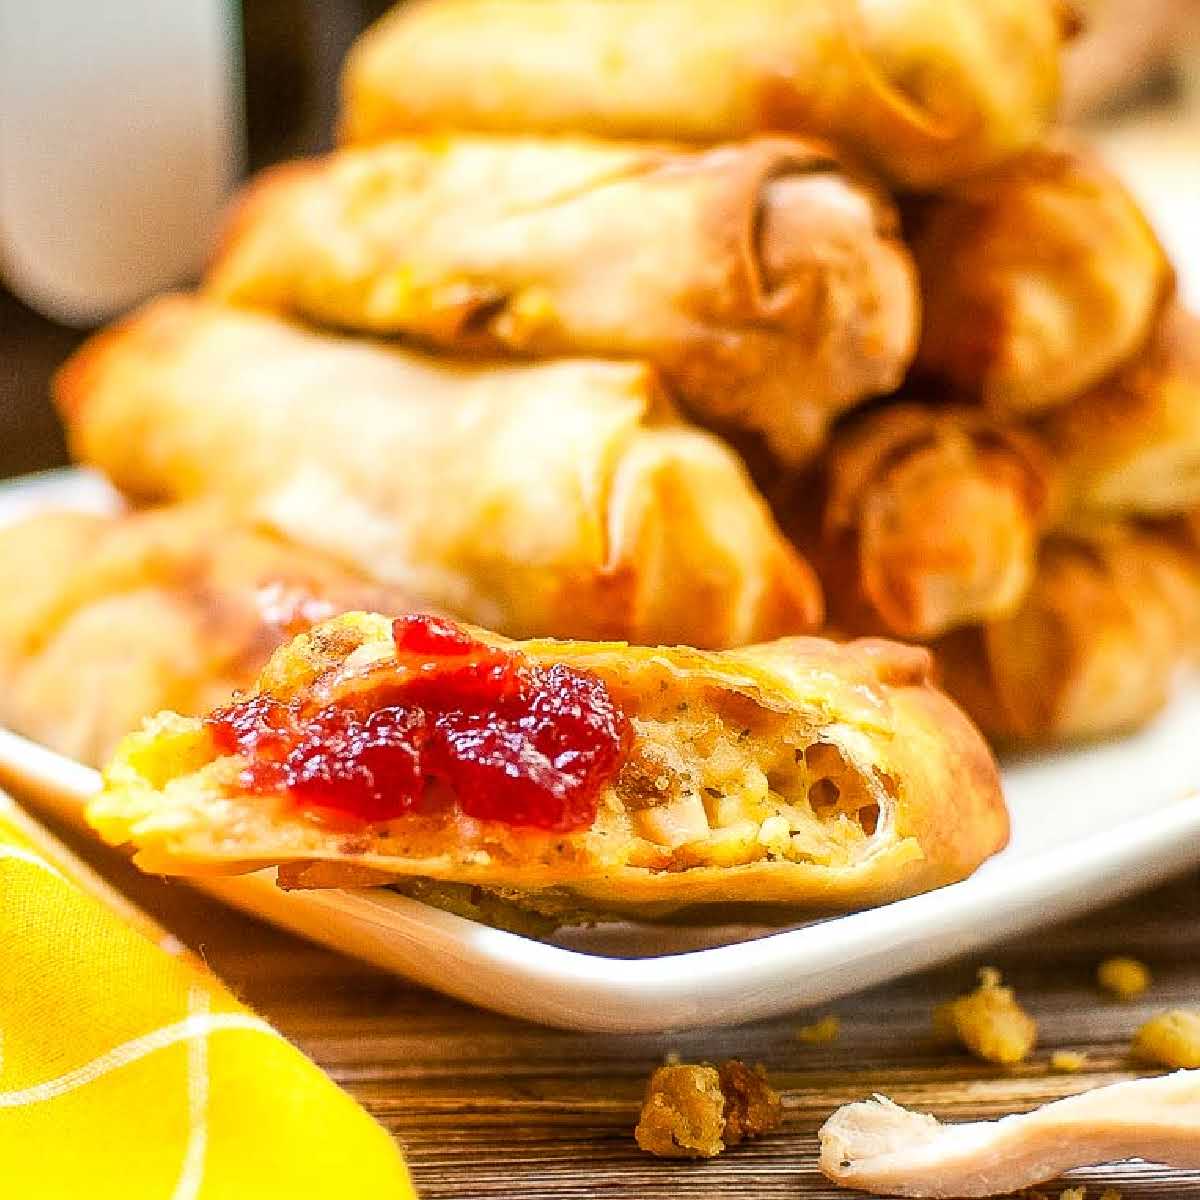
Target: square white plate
[[1089, 825]]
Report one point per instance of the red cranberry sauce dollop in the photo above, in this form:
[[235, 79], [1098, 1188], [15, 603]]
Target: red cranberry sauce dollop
[[512, 741]]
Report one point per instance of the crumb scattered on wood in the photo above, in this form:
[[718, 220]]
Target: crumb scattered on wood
[[696, 1111], [821, 1031], [1124, 978], [752, 1106], [988, 1022], [1068, 1060], [1073, 1193], [1171, 1039], [1110, 1194], [683, 1114]]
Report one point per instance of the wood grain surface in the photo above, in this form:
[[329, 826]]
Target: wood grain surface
[[489, 1107]]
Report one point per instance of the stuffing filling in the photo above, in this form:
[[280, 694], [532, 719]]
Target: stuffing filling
[[727, 782]]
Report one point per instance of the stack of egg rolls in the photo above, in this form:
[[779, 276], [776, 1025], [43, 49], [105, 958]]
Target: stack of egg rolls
[[1018, 504]]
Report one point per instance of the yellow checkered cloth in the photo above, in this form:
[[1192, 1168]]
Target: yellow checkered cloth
[[128, 1072]]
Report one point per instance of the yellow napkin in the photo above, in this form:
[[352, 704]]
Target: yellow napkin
[[128, 1071]]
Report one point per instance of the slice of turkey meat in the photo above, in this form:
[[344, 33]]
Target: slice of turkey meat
[[879, 1147]]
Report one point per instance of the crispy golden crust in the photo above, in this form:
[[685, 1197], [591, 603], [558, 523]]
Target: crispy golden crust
[[1037, 281], [1132, 444], [105, 621], [887, 787], [1095, 646], [929, 90], [931, 519], [565, 497], [770, 288]]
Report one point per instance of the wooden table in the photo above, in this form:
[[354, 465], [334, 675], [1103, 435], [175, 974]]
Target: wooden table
[[487, 1106]]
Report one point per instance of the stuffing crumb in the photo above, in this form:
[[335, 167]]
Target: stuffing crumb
[[752, 1106], [1125, 978], [824, 1030], [1068, 1060], [1073, 1193], [696, 1111], [1110, 1194], [988, 1022], [683, 1114], [1172, 1039]]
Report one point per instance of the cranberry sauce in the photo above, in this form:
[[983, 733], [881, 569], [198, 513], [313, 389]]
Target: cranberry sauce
[[511, 741]]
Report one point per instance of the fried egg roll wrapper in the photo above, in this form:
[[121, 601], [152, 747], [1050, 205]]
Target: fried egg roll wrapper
[[931, 519], [1096, 645], [107, 620], [1131, 446], [770, 288], [566, 497], [797, 772], [1038, 280], [926, 90]]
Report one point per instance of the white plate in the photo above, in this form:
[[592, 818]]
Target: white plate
[[1089, 826]]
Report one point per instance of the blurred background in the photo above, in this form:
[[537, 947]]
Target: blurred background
[[123, 126]]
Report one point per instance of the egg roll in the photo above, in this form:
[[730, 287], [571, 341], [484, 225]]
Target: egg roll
[[105, 620], [637, 780], [1038, 280], [926, 90], [1131, 446], [770, 288], [566, 497], [1108, 622], [931, 519]]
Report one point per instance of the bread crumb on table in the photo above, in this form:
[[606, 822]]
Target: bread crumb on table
[[821, 1031], [696, 1111], [1073, 1193], [1124, 978], [1171, 1039], [752, 1106], [683, 1114], [988, 1022], [1068, 1060]]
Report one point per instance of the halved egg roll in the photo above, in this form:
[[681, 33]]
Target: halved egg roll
[[1038, 280], [107, 620], [1131, 446], [1094, 649], [928, 90], [931, 519], [634, 779], [770, 288], [565, 497]]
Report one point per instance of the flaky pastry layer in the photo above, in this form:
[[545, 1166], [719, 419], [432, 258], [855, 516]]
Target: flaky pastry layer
[[566, 497], [768, 285], [106, 620], [928, 90]]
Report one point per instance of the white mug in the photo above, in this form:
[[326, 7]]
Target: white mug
[[121, 136]]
